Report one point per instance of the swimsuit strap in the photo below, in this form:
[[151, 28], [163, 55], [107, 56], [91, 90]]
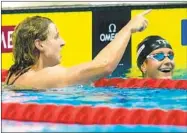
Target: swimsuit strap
[[8, 78], [18, 75]]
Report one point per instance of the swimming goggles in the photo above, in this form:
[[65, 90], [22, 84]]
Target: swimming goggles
[[161, 56]]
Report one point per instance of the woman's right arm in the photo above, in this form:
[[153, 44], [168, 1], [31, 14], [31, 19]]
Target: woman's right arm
[[103, 64]]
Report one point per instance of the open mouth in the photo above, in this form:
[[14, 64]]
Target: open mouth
[[166, 70]]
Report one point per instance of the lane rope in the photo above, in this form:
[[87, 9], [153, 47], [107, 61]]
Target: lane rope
[[91, 115], [142, 83]]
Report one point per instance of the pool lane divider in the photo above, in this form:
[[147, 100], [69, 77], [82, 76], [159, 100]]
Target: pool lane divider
[[88, 115], [4, 74], [142, 83]]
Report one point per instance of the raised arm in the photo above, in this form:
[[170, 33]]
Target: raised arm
[[114, 51], [103, 64]]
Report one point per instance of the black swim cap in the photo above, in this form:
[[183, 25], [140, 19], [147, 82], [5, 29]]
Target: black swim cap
[[148, 45]]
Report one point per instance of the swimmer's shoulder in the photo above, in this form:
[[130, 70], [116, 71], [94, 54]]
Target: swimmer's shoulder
[[47, 77], [36, 78]]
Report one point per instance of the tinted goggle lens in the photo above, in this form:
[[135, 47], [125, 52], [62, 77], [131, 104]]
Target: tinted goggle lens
[[161, 56]]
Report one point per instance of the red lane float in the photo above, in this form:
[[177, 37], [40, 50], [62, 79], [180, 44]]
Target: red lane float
[[4, 74], [142, 83], [91, 115]]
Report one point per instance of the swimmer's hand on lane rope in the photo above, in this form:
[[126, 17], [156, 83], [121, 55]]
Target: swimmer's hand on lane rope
[[139, 22]]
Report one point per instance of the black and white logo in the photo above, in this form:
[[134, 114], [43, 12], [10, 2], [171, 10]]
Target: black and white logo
[[110, 35]]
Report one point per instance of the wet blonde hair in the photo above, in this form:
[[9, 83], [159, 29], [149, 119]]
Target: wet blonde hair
[[24, 51]]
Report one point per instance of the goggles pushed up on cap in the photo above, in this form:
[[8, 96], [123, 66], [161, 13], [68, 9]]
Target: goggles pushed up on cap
[[161, 56]]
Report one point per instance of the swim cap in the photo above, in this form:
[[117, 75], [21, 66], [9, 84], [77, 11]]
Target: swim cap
[[148, 45]]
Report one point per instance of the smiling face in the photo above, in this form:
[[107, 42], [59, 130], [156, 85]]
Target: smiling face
[[163, 69], [52, 46]]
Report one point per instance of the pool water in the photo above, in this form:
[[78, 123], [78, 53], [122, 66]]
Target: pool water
[[86, 95], [100, 96], [12, 126]]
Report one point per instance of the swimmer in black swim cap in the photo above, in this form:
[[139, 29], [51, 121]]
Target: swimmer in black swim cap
[[155, 58]]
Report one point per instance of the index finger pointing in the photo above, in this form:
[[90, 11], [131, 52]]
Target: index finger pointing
[[146, 12]]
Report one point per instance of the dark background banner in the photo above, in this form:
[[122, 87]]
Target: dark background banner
[[105, 25]]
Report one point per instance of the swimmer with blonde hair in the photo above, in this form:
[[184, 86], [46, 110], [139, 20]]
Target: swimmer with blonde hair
[[36, 50]]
